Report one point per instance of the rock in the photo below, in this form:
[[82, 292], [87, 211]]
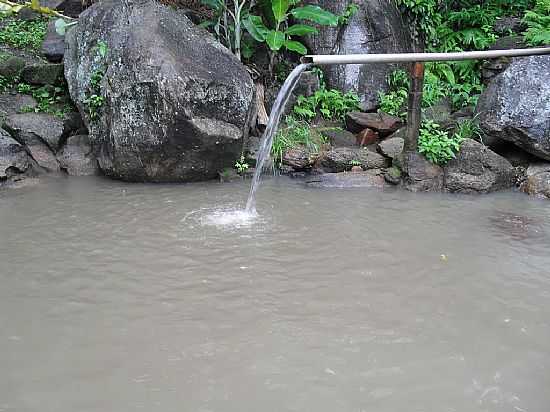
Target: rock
[[493, 67], [367, 137], [538, 180], [391, 147], [465, 113], [377, 27], [509, 25], [516, 108], [368, 179], [43, 126], [339, 137], [440, 113], [42, 73], [40, 133], [516, 156], [15, 103], [357, 169], [72, 8], [344, 158], [176, 101], [76, 157], [13, 157], [73, 124], [477, 169], [53, 46], [10, 65], [297, 158], [421, 175], [382, 123]]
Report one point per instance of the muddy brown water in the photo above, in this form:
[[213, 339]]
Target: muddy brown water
[[118, 297]]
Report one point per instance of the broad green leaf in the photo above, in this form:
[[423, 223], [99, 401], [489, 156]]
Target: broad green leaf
[[255, 26], [315, 14], [295, 46], [280, 7], [275, 40], [301, 30]]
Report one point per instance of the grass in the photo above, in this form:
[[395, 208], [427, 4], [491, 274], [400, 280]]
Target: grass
[[296, 133]]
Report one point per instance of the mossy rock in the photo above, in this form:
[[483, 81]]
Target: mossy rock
[[42, 73], [10, 65]]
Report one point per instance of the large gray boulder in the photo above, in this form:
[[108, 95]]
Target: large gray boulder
[[175, 100], [477, 169], [516, 106], [377, 27]]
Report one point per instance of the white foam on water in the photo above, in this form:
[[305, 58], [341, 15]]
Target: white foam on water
[[225, 218], [230, 218]]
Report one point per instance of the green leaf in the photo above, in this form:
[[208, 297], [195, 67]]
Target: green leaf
[[255, 27], [296, 46], [301, 30], [315, 14], [275, 40], [280, 7]]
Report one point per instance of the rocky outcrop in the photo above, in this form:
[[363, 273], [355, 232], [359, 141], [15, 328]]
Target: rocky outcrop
[[344, 158], [53, 46], [42, 135], [369, 179], [477, 169], [391, 147], [382, 123], [377, 27], [175, 100], [538, 180], [516, 106], [421, 175]]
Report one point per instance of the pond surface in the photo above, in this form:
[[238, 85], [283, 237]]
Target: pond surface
[[118, 297]]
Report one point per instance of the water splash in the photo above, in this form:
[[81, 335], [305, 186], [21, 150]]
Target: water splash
[[270, 131]]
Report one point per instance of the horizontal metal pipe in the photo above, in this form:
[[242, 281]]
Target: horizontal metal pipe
[[421, 57]]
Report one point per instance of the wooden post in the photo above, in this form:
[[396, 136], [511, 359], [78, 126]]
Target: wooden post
[[414, 117]]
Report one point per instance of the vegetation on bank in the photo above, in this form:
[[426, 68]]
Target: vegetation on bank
[[256, 29]]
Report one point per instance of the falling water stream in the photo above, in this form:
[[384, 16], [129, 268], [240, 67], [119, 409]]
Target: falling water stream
[[270, 131]]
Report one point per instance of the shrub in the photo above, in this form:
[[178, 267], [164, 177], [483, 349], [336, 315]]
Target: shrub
[[436, 144]]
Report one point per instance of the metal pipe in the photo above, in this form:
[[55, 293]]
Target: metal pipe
[[421, 57]]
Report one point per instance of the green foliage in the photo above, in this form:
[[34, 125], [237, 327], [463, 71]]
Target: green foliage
[[538, 24], [94, 99], [469, 129], [295, 133], [330, 104], [241, 165], [455, 26], [24, 34], [51, 99], [436, 144], [283, 34], [350, 11], [227, 24]]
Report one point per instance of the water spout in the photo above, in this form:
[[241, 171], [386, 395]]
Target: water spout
[[270, 131]]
